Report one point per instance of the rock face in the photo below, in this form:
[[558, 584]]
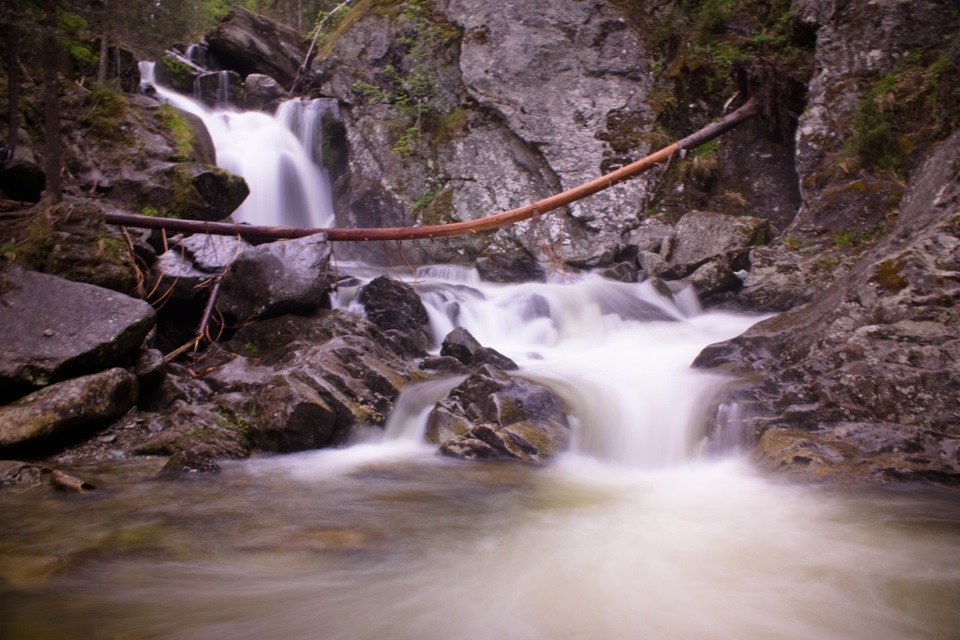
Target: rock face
[[492, 415], [497, 131], [879, 348], [250, 43], [66, 411], [55, 329]]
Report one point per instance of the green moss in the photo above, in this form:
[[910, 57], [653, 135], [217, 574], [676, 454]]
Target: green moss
[[232, 421], [105, 114], [889, 276], [916, 103], [184, 137], [435, 206], [179, 73]]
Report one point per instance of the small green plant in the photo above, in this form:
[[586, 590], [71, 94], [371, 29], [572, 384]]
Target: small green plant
[[184, 137], [845, 240], [792, 242]]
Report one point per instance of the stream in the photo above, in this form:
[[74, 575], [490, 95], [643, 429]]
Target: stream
[[652, 527]]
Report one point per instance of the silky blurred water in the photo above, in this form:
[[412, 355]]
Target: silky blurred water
[[636, 533]]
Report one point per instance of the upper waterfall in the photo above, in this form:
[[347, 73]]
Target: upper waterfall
[[277, 155]]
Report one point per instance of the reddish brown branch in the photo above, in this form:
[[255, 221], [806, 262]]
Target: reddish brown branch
[[552, 203]]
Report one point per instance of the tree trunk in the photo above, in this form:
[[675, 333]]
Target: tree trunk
[[104, 44], [12, 42], [51, 100]]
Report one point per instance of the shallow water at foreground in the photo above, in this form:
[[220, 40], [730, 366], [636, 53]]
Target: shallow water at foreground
[[390, 542]]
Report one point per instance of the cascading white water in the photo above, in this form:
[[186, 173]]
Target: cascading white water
[[287, 188], [617, 353], [632, 535]]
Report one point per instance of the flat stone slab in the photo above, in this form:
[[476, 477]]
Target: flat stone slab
[[53, 329]]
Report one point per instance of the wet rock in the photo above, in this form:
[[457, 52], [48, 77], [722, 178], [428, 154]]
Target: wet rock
[[308, 382], [396, 308], [701, 236], [219, 89], [55, 329], [182, 276], [63, 412], [277, 278], [250, 43], [492, 415], [262, 93], [294, 417], [861, 452], [204, 192], [20, 474], [195, 436], [462, 346], [150, 369], [513, 267]]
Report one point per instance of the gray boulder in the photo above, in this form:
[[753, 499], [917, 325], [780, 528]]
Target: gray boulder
[[396, 308], [291, 276], [262, 93], [183, 272], [462, 346], [250, 43], [492, 415], [701, 236], [55, 329], [66, 411]]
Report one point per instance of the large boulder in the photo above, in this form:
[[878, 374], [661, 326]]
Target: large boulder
[[63, 412], [492, 415], [54, 329], [204, 192], [395, 307], [501, 131], [250, 43], [292, 276]]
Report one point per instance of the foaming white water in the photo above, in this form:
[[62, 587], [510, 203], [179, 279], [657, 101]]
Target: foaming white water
[[286, 187], [619, 354]]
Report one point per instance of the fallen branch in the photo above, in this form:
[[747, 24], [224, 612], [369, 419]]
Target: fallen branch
[[711, 131]]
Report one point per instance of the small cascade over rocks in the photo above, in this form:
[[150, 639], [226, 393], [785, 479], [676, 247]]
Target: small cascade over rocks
[[287, 187], [616, 354]]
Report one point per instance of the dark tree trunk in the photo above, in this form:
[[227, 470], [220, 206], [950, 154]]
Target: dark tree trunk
[[104, 44], [51, 100], [12, 37]]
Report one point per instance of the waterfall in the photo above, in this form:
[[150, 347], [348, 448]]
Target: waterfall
[[618, 354], [287, 187], [631, 535]]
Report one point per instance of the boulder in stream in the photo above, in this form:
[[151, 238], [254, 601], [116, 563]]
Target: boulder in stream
[[396, 308], [493, 415]]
